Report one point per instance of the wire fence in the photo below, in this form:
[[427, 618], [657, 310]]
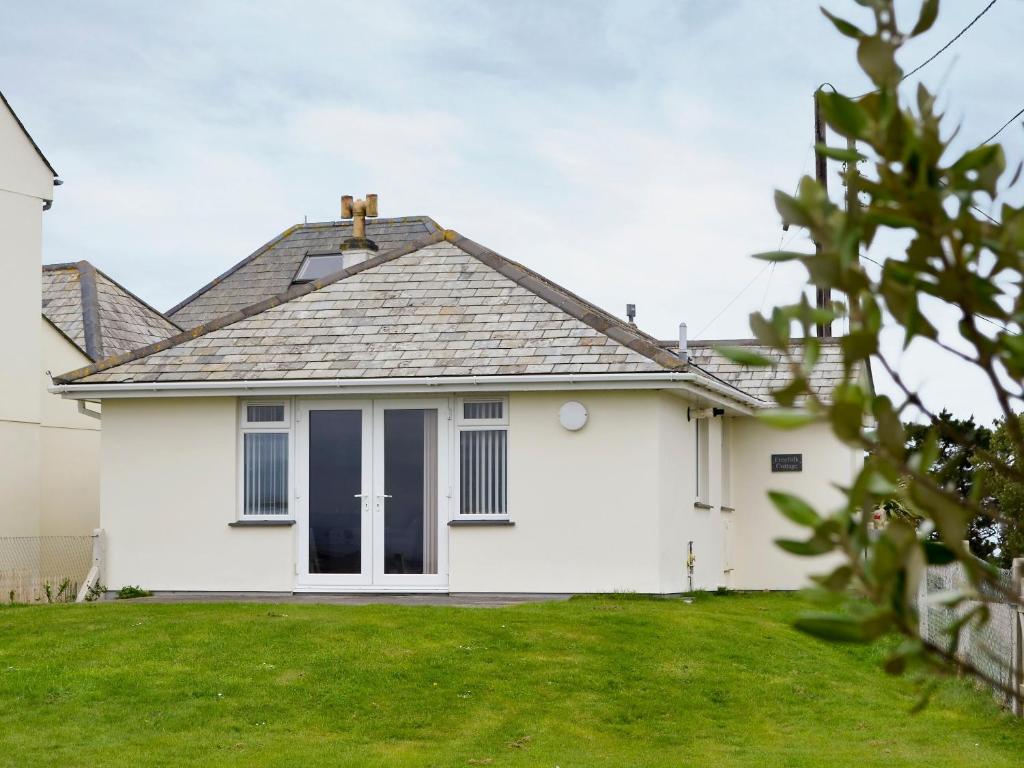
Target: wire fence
[[43, 568], [994, 646]]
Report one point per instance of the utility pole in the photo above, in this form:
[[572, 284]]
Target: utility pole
[[823, 296]]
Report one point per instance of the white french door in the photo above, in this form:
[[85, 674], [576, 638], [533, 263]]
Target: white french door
[[372, 495]]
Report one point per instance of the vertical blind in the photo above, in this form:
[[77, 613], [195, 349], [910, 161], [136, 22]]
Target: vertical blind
[[266, 473], [480, 409], [264, 413], [483, 459]]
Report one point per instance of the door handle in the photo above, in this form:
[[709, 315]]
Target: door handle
[[360, 495], [384, 495]]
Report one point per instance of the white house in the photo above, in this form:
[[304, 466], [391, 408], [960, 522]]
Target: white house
[[414, 412], [49, 447], [86, 315], [26, 190]]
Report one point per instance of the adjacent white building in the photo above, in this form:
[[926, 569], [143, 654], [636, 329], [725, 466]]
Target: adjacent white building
[[62, 317], [26, 190], [415, 412]]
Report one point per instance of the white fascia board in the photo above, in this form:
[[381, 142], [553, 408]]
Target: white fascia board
[[689, 383]]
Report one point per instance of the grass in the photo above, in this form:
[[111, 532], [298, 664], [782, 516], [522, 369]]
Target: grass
[[592, 682]]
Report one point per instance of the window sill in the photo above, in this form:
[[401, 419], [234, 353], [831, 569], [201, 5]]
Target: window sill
[[701, 505], [726, 508], [262, 523], [496, 521]]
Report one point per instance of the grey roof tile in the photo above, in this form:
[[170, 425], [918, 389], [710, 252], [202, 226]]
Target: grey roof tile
[[97, 314], [269, 270]]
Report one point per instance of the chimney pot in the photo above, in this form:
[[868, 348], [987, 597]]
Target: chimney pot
[[631, 313], [358, 210]]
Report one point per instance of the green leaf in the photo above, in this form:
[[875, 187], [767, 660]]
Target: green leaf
[[843, 629], [795, 508], [843, 114], [929, 12], [780, 255], [838, 580], [791, 210], [937, 553], [787, 418], [848, 29], [744, 356], [877, 58], [839, 153], [810, 548]]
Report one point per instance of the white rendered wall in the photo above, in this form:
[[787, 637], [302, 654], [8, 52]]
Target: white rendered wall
[[168, 490], [608, 508], [585, 504], [759, 563], [24, 183], [69, 448]]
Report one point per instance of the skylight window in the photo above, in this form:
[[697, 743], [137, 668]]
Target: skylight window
[[315, 267]]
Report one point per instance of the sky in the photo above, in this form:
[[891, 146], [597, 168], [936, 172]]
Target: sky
[[627, 150]]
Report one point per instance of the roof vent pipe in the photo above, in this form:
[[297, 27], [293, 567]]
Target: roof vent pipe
[[684, 352]]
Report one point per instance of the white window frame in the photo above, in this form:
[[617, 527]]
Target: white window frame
[[463, 424], [285, 426], [702, 456]]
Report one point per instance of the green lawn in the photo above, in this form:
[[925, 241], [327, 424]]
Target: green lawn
[[591, 682]]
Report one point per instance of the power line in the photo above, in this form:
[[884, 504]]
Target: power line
[[733, 299], [1007, 123], [989, 320], [939, 52]]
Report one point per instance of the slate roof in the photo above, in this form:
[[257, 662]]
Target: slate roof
[[97, 314], [443, 306], [269, 270], [440, 305], [761, 382]]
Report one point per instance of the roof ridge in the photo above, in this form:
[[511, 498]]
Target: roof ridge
[[574, 306], [673, 343], [137, 298], [274, 241], [90, 310], [253, 309]]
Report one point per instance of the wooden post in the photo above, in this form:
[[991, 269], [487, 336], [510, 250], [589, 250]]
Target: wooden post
[[1017, 638], [823, 296]]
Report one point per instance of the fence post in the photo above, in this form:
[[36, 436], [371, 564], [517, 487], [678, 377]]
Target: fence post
[[96, 571], [1017, 637], [97, 552], [922, 605]]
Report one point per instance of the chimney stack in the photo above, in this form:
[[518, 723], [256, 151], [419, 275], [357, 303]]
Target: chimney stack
[[684, 352], [358, 210]]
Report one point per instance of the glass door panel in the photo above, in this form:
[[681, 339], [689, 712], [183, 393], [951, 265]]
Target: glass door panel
[[410, 491], [335, 491]]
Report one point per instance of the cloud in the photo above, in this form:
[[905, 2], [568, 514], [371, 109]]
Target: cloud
[[394, 144]]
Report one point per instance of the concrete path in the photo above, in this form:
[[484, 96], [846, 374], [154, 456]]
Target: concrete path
[[460, 600]]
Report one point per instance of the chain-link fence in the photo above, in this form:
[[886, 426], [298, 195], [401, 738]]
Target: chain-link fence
[[992, 647], [43, 568]]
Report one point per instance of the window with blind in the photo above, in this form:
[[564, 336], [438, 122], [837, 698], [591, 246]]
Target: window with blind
[[483, 458], [265, 456]]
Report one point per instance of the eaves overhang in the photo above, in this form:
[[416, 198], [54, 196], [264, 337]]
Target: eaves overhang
[[686, 383]]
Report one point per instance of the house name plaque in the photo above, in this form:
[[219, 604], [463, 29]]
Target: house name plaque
[[787, 462]]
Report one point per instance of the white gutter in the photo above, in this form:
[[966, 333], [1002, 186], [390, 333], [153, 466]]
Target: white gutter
[[695, 384]]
